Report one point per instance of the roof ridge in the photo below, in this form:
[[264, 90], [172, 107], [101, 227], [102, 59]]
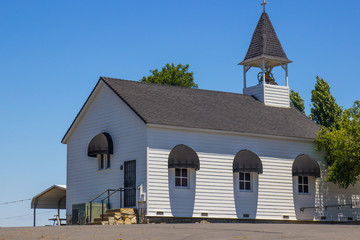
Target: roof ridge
[[171, 86]]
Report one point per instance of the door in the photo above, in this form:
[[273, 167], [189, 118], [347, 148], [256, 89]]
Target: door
[[130, 182]]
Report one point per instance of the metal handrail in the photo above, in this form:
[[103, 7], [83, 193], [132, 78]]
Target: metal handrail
[[91, 201], [326, 207], [121, 189], [98, 196]]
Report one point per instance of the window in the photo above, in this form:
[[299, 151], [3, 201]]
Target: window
[[244, 181], [303, 184], [104, 161], [181, 177]]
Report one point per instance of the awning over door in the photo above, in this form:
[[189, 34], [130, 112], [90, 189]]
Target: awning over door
[[183, 156], [247, 161], [100, 144], [305, 166]]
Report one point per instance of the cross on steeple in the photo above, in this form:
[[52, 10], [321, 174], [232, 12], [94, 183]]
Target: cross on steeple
[[264, 4]]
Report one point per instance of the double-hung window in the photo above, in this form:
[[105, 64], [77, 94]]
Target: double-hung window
[[181, 178], [303, 182], [104, 161], [244, 181]]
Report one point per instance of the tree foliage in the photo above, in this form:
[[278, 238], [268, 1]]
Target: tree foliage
[[297, 101], [325, 110], [341, 141], [172, 75]]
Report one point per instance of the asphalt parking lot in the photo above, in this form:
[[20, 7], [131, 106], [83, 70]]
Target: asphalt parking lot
[[187, 231]]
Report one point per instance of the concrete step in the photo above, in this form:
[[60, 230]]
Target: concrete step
[[104, 219], [113, 210], [122, 210], [111, 214]]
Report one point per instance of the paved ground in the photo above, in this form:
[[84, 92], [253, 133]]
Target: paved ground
[[188, 231]]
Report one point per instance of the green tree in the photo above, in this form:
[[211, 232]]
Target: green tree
[[297, 101], [172, 75], [325, 110], [341, 141]]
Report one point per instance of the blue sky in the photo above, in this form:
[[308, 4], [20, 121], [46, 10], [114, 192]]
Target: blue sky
[[53, 52]]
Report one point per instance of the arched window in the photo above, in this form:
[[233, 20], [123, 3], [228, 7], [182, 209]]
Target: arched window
[[246, 163], [101, 146], [303, 168], [183, 158]]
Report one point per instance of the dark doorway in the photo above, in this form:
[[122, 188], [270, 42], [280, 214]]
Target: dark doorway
[[130, 182]]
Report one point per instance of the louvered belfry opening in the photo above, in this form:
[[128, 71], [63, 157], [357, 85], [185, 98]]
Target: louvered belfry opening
[[100, 144], [182, 156], [305, 166], [247, 161]]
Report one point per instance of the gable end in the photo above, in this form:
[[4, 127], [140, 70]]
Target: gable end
[[87, 102]]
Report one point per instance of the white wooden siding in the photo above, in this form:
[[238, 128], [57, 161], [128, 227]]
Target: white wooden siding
[[106, 112], [330, 194], [276, 96], [215, 181], [305, 200], [215, 192], [270, 95], [256, 91]]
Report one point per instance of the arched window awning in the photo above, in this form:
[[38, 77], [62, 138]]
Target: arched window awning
[[100, 144], [183, 156], [305, 166], [247, 161]]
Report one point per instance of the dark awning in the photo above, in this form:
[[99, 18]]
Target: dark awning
[[247, 161], [305, 166], [100, 144], [183, 156]]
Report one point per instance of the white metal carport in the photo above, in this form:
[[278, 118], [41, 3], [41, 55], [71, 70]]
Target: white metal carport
[[52, 198]]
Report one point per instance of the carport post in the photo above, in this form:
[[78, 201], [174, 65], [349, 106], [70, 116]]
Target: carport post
[[35, 212]]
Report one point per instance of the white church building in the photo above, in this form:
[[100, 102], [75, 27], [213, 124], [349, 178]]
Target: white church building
[[193, 154]]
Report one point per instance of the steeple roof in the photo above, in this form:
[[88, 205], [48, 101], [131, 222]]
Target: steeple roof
[[265, 45]]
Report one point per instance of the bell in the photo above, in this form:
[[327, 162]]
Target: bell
[[269, 77]]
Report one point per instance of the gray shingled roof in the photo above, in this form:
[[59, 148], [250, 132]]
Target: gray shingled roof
[[196, 108], [265, 43]]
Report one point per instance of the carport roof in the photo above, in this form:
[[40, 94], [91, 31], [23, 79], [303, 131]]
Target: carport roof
[[51, 198]]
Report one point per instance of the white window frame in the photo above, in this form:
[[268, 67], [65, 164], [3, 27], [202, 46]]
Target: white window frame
[[303, 184], [105, 160], [182, 177], [250, 181]]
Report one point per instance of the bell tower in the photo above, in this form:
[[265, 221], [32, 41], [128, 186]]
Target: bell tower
[[265, 52]]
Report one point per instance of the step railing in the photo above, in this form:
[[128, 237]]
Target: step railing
[[327, 206], [109, 192]]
